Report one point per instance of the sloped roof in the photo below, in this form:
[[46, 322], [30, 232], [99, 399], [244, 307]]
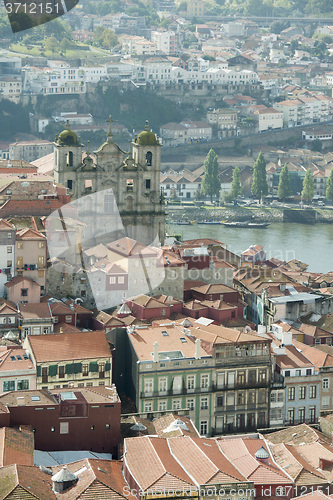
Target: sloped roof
[[150, 462], [16, 446], [71, 346], [103, 478], [34, 482]]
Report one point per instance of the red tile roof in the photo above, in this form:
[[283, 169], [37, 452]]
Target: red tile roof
[[16, 446], [71, 346]]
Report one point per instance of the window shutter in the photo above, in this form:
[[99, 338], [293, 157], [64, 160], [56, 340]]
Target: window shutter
[[69, 369], [107, 366], [53, 370], [93, 366], [77, 367], [39, 371]]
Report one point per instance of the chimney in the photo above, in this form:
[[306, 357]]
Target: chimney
[[155, 352], [197, 349], [63, 480]]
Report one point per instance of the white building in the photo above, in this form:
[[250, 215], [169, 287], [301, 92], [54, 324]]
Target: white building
[[165, 41]]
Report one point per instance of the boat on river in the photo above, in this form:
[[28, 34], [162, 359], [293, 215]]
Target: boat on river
[[211, 222], [247, 224]]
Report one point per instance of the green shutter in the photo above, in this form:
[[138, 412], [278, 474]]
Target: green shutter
[[93, 366], [53, 370], [39, 371], [77, 367], [107, 366], [69, 369]]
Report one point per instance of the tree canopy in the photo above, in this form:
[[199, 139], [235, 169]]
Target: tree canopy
[[284, 184], [308, 186], [211, 185], [259, 185], [329, 186], [236, 188]]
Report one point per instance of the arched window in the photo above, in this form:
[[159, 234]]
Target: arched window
[[129, 203], [149, 158], [70, 157]]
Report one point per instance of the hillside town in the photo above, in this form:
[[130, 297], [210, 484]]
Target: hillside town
[[140, 358]]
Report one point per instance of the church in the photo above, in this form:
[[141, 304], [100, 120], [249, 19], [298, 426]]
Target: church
[[116, 193]]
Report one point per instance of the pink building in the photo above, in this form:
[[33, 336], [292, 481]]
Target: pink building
[[23, 290]]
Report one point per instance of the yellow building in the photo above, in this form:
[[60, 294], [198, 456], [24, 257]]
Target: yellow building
[[195, 8]]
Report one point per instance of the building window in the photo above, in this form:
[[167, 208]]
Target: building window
[[203, 427], [301, 415], [23, 385], [24, 292], [41, 244], [68, 319], [219, 401], [52, 429], [148, 406], [190, 403], [291, 416], [101, 370], [9, 263], [312, 414], [8, 385], [176, 404], [163, 384], [302, 392], [85, 370], [190, 381], [291, 393], [148, 385], [61, 371], [129, 185], [204, 381], [9, 249], [326, 383], [312, 391], [147, 183], [204, 403], [162, 405], [241, 398], [262, 375], [107, 427], [251, 397]]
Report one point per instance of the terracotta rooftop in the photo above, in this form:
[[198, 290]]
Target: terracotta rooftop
[[18, 480], [241, 452], [71, 346], [16, 446], [214, 288], [297, 434], [103, 477], [15, 359]]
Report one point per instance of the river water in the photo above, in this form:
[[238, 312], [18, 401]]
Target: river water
[[312, 244]]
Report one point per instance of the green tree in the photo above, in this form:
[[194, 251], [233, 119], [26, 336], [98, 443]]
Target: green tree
[[308, 187], [236, 188], [65, 45], [259, 185], [51, 44], [211, 185], [317, 145], [284, 184], [329, 187]]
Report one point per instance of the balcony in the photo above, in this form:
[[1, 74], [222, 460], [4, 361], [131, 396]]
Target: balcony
[[176, 392], [240, 361], [241, 385]]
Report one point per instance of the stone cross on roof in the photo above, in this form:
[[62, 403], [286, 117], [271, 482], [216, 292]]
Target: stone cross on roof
[[109, 134]]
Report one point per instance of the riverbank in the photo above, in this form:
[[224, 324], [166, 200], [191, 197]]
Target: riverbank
[[240, 213]]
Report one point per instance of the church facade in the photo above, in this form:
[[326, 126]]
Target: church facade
[[114, 191]]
